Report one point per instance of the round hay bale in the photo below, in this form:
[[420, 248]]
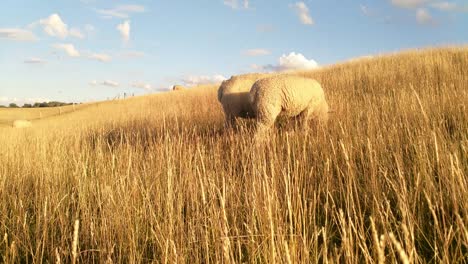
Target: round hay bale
[[178, 88], [21, 123]]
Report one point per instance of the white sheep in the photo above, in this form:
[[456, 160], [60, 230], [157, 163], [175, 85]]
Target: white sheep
[[287, 96], [233, 94], [21, 123]]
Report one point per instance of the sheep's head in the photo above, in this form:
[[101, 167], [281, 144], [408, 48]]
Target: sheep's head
[[221, 90]]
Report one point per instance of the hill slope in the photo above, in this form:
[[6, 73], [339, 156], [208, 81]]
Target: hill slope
[[157, 178], [8, 115]]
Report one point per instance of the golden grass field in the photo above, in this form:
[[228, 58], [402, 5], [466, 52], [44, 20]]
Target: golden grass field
[[8, 115], [157, 178]]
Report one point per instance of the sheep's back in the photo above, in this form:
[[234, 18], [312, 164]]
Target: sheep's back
[[292, 93]]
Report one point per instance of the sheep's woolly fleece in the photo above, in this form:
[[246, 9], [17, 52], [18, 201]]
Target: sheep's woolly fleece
[[287, 96], [233, 94]]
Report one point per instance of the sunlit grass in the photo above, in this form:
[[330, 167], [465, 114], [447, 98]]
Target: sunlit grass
[[8, 115], [158, 179]]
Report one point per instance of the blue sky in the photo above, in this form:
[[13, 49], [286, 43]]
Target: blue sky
[[82, 50]]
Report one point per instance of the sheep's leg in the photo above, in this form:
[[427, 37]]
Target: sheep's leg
[[302, 120], [230, 121]]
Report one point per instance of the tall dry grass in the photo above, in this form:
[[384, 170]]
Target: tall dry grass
[[157, 179]]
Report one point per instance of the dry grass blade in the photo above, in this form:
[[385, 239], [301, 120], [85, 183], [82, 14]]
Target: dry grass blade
[[76, 228]]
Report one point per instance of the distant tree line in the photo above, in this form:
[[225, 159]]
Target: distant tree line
[[36, 105]]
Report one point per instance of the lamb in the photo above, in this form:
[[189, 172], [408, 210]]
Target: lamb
[[21, 123], [233, 94], [287, 96]]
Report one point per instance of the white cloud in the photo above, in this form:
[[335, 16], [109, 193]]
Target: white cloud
[[110, 83], [100, 57], [144, 86], [131, 8], [89, 28], [124, 30], [20, 101], [194, 80], [256, 52], [234, 4], [121, 11], [302, 12], [295, 61], [257, 67], [133, 54], [292, 61], [376, 14], [408, 3], [36, 100], [104, 83], [110, 13], [231, 3], [423, 17], [69, 49], [54, 26], [17, 34], [444, 6], [34, 61], [75, 32], [365, 10]]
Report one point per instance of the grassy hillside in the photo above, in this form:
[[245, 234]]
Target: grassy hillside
[[8, 115], [158, 179]]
